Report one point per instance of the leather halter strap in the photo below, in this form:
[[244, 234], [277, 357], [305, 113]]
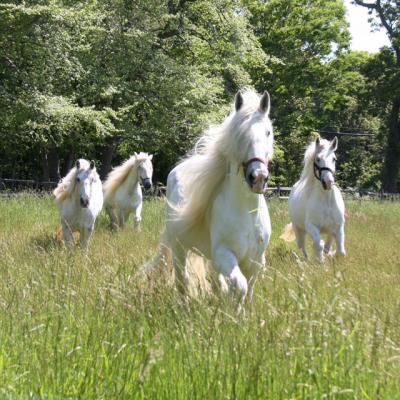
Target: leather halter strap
[[261, 160], [320, 169]]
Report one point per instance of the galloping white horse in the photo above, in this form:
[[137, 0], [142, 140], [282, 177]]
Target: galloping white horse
[[315, 203], [122, 191], [79, 197], [215, 198]]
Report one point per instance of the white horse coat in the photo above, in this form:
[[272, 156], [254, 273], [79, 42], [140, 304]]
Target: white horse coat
[[79, 197], [122, 191], [216, 205], [316, 204]]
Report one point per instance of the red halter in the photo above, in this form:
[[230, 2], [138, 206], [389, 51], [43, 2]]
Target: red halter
[[261, 160]]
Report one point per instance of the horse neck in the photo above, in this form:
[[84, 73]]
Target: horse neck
[[132, 179]]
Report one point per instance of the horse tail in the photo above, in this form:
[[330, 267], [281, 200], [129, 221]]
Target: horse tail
[[198, 270], [160, 259], [288, 234]]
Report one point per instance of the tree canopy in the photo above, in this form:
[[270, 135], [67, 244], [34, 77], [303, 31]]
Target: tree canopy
[[104, 78]]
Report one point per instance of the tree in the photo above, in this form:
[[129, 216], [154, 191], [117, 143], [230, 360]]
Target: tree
[[387, 14]]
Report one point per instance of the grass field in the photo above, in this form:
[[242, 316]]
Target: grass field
[[81, 326]]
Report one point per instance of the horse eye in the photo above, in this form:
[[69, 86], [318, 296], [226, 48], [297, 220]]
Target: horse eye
[[78, 179], [318, 159]]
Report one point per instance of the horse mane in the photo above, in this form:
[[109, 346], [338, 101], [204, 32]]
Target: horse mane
[[119, 174], [208, 164], [66, 186], [308, 171]]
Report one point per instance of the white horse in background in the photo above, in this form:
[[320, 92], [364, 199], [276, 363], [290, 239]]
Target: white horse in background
[[315, 203], [216, 205], [122, 191], [79, 197]]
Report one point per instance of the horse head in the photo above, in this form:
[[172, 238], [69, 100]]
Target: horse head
[[145, 170], [257, 146], [85, 176], [325, 162]]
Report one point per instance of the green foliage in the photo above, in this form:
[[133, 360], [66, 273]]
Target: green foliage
[[78, 78]]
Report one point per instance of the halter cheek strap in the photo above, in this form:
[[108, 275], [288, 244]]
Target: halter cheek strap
[[320, 169]]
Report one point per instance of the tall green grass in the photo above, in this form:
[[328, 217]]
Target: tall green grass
[[75, 325]]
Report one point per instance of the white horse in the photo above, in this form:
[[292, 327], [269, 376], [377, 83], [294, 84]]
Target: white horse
[[315, 203], [216, 206], [122, 191], [79, 197]]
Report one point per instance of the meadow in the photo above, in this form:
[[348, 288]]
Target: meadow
[[76, 325]]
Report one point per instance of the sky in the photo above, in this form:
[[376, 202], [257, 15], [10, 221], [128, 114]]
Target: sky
[[362, 37]]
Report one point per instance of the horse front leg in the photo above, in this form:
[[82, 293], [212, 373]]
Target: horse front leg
[[253, 271], [67, 232], [318, 243], [85, 235], [300, 239], [340, 241], [138, 218], [226, 263], [113, 217]]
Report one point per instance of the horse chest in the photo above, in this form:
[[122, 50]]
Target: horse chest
[[249, 235]]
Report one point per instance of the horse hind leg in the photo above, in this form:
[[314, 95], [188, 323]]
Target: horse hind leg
[[181, 273]]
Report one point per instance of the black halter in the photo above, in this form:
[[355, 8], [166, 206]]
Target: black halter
[[320, 169]]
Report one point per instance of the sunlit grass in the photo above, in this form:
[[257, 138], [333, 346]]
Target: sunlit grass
[[82, 326]]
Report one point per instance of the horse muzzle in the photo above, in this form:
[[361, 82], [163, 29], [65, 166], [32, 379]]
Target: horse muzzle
[[147, 184], [327, 185], [258, 182], [84, 203]]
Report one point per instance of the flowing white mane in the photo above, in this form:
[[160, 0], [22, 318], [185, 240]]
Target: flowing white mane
[[66, 187], [308, 171], [119, 174], [207, 166]]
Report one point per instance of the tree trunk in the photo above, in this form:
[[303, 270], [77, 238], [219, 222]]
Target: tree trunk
[[45, 165], [391, 166], [69, 162], [107, 156], [54, 165]]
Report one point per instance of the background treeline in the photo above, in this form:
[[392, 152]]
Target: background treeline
[[103, 78]]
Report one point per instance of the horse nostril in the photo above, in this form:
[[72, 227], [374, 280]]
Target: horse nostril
[[252, 179]]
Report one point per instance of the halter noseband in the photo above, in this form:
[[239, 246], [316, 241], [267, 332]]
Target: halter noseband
[[248, 162], [320, 169]]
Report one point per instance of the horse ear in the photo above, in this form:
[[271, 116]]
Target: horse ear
[[317, 141], [265, 103], [334, 143], [238, 101], [77, 164], [92, 164], [135, 154], [150, 157]]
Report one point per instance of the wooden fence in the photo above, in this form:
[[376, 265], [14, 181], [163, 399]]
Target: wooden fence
[[9, 187]]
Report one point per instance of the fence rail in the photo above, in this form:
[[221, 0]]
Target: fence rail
[[13, 186]]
